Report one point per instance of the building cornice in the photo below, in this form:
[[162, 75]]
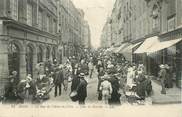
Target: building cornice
[[21, 26]]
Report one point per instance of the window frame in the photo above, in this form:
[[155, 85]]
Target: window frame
[[14, 9], [40, 20], [29, 14]]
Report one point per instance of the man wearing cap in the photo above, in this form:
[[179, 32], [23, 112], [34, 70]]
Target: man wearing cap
[[82, 89], [162, 76]]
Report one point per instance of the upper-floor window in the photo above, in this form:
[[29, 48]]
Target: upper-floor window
[[40, 19], [14, 9], [47, 23], [171, 8], [29, 14], [54, 27]]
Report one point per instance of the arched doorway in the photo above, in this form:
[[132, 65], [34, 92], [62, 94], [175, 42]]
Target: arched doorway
[[29, 60], [47, 53], [39, 54], [13, 58]]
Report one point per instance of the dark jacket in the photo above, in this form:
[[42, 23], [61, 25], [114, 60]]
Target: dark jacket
[[58, 77], [84, 68], [75, 83], [115, 96], [82, 89], [100, 74]]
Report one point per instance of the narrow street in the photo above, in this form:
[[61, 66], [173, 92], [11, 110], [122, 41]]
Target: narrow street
[[91, 92], [132, 48], [92, 96]]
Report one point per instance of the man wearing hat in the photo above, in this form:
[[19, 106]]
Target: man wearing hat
[[169, 76], [105, 88], [58, 80], [82, 89], [11, 87], [162, 76]]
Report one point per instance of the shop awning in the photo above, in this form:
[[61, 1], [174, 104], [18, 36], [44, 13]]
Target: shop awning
[[135, 45], [163, 45], [148, 43], [119, 48], [115, 49], [127, 49], [124, 47]]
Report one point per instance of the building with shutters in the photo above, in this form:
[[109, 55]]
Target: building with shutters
[[149, 31]]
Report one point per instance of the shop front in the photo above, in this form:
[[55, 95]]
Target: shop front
[[163, 51], [179, 64]]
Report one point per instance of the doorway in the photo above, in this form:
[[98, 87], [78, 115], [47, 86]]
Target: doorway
[[29, 60], [13, 58]]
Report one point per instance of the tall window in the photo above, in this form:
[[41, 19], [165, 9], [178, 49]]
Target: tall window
[[171, 8], [47, 23], [54, 27], [40, 20], [14, 9], [29, 14]]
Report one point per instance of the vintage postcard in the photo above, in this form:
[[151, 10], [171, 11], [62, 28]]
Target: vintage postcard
[[90, 57]]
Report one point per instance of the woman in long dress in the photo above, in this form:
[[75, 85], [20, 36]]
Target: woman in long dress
[[130, 77]]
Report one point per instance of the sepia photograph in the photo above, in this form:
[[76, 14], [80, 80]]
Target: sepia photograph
[[91, 54]]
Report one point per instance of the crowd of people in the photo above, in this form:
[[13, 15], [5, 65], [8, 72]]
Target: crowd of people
[[50, 76], [116, 77], [115, 74]]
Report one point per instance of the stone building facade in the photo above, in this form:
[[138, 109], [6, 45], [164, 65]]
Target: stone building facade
[[33, 31], [139, 21], [87, 36], [106, 34], [70, 29], [27, 36]]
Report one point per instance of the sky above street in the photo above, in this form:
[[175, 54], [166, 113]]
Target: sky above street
[[96, 13]]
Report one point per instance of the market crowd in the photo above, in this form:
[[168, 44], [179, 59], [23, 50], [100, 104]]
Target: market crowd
[[116, 77]]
